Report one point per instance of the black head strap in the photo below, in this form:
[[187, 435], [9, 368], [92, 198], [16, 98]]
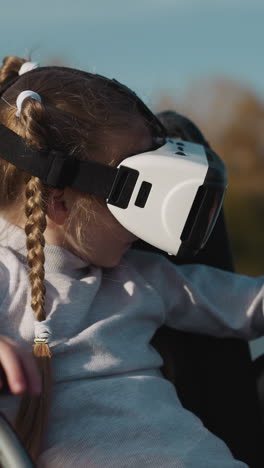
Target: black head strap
[[55, 168]]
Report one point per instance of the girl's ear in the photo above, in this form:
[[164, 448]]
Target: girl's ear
[[58, 209]]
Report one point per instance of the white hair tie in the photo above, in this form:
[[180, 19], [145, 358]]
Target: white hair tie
[[24, 95], [26, 67], [42, 331]]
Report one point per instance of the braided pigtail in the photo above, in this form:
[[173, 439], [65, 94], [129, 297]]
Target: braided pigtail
[[10, 68], [33, 412], [32, 415]]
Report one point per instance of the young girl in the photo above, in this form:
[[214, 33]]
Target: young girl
[[94, 311]]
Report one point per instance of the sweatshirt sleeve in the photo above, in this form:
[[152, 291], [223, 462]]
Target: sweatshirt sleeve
[[203, 299]]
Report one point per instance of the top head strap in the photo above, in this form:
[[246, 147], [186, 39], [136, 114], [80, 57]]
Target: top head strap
[[153, 121]]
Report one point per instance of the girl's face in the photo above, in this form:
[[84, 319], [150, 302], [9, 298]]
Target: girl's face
[[104, 240]]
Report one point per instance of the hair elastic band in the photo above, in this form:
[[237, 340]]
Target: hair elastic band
[[42, 332], [24, 95], [8, 103], [26, 67]]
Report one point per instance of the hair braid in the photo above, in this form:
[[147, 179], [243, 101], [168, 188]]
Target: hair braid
[[10, 68], [34, 410], [35, 226]]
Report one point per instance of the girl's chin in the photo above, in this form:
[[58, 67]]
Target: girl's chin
[[104, 259], [110, 262]]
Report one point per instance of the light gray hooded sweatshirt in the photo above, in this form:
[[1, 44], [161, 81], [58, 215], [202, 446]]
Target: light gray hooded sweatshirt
[[111, 406]]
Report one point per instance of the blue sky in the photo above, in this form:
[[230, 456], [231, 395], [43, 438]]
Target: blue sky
[[150, 45], [147, 44]]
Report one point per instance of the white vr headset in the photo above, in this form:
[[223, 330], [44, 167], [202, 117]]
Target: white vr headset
[[175, 197], [169, 197]]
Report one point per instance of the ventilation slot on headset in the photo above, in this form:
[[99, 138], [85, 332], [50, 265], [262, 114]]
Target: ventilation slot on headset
[[143, 194], [123, 187]]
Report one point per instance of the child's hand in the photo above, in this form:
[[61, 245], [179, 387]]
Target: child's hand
[[19, 367]]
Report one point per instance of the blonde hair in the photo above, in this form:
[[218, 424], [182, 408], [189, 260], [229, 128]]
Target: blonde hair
[[77, 114]]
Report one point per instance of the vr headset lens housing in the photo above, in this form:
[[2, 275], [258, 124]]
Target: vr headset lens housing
[[202, 218]]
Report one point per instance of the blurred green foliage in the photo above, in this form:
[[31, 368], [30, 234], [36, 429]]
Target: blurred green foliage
[[245, 223]]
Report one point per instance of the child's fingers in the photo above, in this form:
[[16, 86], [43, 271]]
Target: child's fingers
[[13, 369], [19, 368], [31, 372]]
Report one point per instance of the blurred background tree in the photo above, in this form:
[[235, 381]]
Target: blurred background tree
[[232, 119]]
